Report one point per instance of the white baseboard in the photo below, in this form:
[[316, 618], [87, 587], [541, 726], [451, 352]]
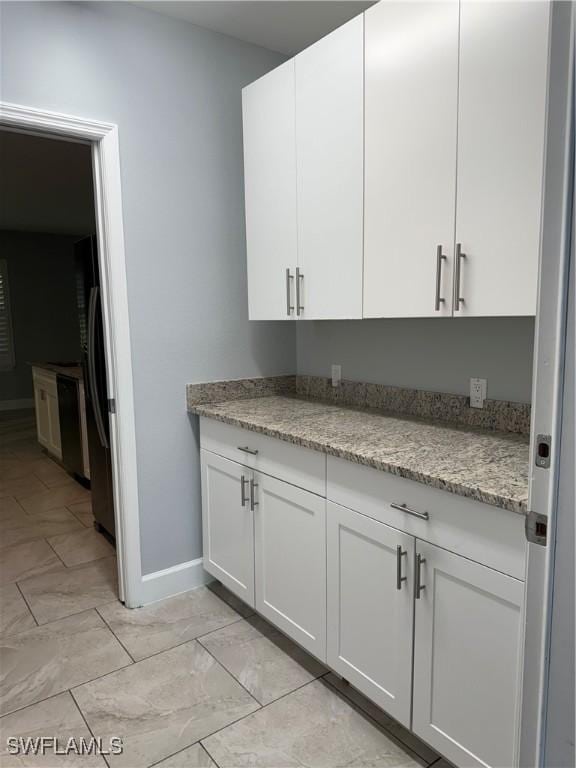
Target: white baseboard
[[173, 581], [16, 405]]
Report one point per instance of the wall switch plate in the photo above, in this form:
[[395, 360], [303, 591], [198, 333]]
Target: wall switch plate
[[336, 375], [478, 389]]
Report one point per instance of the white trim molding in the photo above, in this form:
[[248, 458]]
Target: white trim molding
[[173, 581], [17, 405], [106, 167]]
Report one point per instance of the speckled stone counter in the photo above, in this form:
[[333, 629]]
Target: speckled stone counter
[[488, 466], [73, 371]]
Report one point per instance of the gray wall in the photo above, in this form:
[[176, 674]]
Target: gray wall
[[175, 92], [43, 305], [436, 354]]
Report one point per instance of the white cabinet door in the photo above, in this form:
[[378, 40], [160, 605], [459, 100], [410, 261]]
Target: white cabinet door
[[228, 524], [411, 53], [501, 128], [467, 644], [55, 442], [370, 608], [290, 528], [42, 415], [329, 151], [270, 189]]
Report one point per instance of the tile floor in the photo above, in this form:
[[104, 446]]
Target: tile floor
[[195, 681]]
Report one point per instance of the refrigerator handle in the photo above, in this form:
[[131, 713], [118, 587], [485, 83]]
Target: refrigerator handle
[[92, 381]]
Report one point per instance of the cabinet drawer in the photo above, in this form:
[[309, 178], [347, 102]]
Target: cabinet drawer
[[481, 532], [294, 464]]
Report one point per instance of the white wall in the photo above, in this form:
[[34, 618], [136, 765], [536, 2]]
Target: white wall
[[175, 92], [439, 354]]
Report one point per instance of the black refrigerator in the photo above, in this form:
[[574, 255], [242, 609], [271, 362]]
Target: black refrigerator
[[95, 383]]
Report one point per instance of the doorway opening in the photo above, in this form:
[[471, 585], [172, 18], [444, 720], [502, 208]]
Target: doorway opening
[[58, 528], [100, 282]]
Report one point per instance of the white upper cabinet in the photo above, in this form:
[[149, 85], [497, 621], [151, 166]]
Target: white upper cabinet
[[329, 152], [410, 178], [501, 131], [270, 190]]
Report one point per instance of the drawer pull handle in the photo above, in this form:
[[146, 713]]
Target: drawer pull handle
[[419, 587], [245, 449], [243, 497], [404, 508], [399, 578]]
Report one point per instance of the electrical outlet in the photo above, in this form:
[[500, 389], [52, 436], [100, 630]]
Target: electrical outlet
[[336, 375], [478, 389]]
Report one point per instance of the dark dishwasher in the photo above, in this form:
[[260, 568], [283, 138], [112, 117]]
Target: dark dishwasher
[[70, 431]]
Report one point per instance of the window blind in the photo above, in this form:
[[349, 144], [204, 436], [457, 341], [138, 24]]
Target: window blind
[[6, 336]]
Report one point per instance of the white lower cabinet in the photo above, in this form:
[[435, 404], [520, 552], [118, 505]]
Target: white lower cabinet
[[467, 643], [290, 535], [431, 636], [370, 608], [228, 524]]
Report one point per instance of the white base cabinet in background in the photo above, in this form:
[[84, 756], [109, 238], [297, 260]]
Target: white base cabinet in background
[[370, 608], [228, 524], [290, 533], [467, 650], [47, 414]]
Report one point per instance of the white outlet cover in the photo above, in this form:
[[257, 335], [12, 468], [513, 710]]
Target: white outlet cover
[[336, 375], [478, 389]]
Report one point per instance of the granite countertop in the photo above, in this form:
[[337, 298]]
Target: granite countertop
[[74, 371], [489, 466]]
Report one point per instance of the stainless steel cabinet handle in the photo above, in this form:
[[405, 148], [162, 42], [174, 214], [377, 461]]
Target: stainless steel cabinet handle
[[253, 502], [245, 449], [299, 279], [419, 586], [404, 508], [399, 578], [457, 297], [243, 497], [439, 259], [289, 305]]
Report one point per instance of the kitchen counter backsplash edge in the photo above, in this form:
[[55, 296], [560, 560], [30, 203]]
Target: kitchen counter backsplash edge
[[497, 415]]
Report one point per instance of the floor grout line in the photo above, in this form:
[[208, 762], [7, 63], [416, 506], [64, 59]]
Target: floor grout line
[[85, 720], [114, 633], [27, 605]]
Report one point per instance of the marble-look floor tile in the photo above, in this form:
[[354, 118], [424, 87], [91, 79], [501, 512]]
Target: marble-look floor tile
[[234, 602], [55, 522], [30, 559], [82, 546], [264, 660], [46, 660], [71, 590], [162, 625], [163, 704], [311, 727], [12, 468], [15, 615], [22, 486], [192, 757], [51, 498], [83, 512], [392, 726], [57, 717], [10, 509], [50, 473]]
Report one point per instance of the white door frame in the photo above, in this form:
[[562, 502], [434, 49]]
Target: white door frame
[[549, 349], [103, 138]]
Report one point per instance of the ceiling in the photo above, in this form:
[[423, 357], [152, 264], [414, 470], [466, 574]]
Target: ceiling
[[45, 185], [286, 27]]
